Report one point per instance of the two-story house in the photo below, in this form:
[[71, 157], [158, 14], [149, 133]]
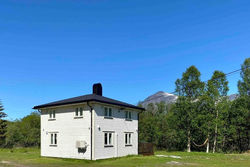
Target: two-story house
[[89, 127]]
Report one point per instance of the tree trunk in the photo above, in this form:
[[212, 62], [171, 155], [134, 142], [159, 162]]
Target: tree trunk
[[224, 138], [223, 141], [189, 142], [207, 151], [216, 131]]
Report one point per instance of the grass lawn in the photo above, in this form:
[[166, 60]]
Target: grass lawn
[[29, 157]]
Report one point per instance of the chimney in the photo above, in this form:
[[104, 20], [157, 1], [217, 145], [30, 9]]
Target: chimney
[[97, 89]]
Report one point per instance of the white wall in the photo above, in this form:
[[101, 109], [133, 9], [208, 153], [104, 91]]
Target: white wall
[[69, 131], [119, 125]]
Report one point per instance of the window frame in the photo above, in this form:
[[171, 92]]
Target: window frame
[[53, 139], [52, 114], [128, 115], [108, 135], [78, 112], [108, 112], [128, 138]]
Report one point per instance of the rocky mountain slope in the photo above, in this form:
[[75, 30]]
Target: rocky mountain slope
[[232, 97], [159, 97], [169, 98]]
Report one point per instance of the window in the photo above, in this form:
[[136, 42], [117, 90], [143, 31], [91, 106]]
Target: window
[[108, 139], [78, 112], [53, 139], [128, 137], [128, 115], [107, 112], [52, 114]]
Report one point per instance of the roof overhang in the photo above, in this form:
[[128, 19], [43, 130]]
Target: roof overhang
[[85, 101]]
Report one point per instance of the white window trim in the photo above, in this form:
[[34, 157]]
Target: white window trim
[[53, 136], [128, 138], [128, 115], [78, 112], [109, 112], [109, 143], [52, 114]]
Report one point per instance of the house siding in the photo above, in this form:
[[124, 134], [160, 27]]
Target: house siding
[[119, 125], [68, 129]]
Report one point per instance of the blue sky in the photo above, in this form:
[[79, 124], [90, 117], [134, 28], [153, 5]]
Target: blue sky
[[51, 50]]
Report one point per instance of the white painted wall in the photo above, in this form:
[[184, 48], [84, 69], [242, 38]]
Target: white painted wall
[[119, 125], [69, 131]]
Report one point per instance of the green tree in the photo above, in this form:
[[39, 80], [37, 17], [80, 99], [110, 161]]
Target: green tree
[[217, 88], [189, 88], [3, 125], [239, 115], [244, 84], [30, 129], [24, 132], [147, 127], [183, 115], [223, 123], [204, 120], [161, 107], [14, 137], [239, 125], [190, 85]]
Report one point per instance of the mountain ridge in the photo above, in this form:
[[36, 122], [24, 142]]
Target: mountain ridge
[[159, 97], [169, 98]]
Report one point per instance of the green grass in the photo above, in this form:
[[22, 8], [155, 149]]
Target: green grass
[[30, 157]]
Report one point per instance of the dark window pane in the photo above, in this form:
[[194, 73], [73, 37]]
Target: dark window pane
[[105, 138], [54, 114], [129, 138], [110, 112], [51, 138], [80, 111], [76, 111], [55, 138], [105, 111]]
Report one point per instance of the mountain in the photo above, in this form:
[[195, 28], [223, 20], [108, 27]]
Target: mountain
[[169, 98], [159, 97], [232, 97]]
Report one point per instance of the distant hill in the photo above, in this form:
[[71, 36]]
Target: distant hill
[[232, 97], [159, 97], [169, 98]]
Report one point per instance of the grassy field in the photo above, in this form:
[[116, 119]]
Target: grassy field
[[30, 158]]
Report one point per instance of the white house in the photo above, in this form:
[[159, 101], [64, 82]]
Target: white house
[[89, 127]]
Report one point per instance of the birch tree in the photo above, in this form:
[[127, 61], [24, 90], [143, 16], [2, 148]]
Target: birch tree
[[189, 88], [217, 88]]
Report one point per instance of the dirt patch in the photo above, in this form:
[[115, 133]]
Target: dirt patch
[[169, 156], [12, 164], [175, 163]]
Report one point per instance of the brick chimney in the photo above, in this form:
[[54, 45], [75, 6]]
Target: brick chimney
[[97, 89]]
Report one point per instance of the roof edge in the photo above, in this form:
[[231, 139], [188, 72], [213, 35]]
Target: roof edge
[[53, 105]]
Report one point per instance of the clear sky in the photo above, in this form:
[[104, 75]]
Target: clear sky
[[51, 50]]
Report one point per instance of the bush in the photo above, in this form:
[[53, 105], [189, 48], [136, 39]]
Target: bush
[[24, 132]]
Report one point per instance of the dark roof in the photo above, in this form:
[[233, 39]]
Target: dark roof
[[87, 98]]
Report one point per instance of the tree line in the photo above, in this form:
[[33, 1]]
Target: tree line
[[23, 132], [202, 118]]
